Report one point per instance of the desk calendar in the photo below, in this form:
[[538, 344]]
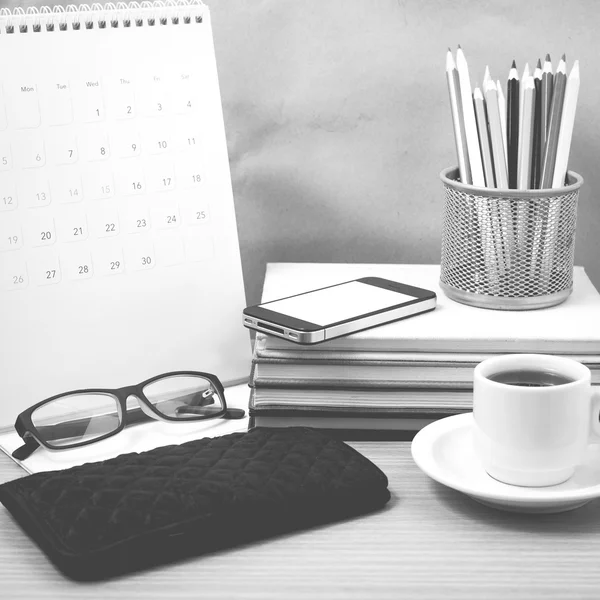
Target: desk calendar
[[119, 255]]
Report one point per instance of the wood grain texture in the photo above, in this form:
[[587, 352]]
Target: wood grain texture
[[429, 542]]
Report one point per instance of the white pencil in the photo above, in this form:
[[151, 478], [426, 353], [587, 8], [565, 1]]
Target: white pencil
[[498, 139], [486, 77], [524, 76], [566, 127], [457, 119], [469, 118], [526, 134], [502, 111]]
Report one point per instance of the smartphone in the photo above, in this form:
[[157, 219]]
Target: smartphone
[[338, 310]]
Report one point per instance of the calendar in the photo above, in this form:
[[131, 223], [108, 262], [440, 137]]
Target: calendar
[[119, 254]]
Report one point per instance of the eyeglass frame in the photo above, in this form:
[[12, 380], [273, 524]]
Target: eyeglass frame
[[27, 430]]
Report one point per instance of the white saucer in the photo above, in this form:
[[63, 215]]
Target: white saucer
[[444, 451]]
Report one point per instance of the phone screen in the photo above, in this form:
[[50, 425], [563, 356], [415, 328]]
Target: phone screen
[[338, 303]]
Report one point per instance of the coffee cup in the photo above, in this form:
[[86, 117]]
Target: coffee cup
[[535, 416]]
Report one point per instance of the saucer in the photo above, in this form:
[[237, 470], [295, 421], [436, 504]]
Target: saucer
[[444, 451]]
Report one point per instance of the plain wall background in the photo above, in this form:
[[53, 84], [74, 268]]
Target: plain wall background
[[338, 121]]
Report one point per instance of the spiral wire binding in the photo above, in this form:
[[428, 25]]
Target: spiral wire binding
[[101, 16]]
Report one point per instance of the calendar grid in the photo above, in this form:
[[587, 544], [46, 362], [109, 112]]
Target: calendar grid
[[71, 146]]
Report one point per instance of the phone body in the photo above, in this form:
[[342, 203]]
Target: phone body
[[338, 310]]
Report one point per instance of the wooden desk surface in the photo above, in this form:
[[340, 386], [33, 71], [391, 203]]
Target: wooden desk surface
[[429, 542]]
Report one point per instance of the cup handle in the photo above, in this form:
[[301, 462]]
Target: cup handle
[[595, 423]]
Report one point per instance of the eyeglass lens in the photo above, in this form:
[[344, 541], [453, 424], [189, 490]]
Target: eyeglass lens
[[77, 418], [184, 397]]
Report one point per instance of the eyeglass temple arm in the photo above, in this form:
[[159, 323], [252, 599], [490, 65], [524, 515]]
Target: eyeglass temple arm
[[27, 449], [235, 413], [231, 413], [203, 400]]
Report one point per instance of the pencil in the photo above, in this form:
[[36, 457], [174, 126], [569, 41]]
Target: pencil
[[558, 96], [484, 138], [512, 124], [486, 77], [547, 88], [469, 117], [566, 127], [502, 110], [526, 133], [458, 123], [536, 151], [496, 136]]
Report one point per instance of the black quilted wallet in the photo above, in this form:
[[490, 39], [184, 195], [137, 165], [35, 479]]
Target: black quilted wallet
[[137, 510]]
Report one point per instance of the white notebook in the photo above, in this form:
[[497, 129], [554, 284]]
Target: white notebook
[[572, 327], [119, 255]]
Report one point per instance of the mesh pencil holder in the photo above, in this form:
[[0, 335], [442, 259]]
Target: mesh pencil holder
[[508, 249]]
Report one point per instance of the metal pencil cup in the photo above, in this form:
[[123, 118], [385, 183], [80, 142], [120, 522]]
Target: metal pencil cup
[[508, 249]]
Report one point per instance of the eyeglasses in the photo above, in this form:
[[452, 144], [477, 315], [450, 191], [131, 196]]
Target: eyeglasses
[[82, 417]]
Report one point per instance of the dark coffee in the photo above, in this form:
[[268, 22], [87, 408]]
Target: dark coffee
[[530, 378]]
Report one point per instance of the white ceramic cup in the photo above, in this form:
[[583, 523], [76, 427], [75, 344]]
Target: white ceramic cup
[[534, 436]]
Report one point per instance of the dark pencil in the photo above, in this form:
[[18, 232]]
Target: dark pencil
[[558, 96], [536, 155], [512, 124]]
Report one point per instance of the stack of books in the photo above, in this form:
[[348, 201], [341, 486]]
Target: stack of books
[[392, 380]]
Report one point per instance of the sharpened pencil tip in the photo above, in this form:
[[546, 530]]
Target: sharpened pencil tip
[[548, 57], [449, 49], [459, 47], [564, 57], [575, 69], [539, 64], [514, 65]]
